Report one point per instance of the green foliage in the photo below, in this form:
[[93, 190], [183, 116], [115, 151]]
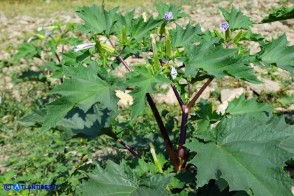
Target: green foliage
[[28, 50], [278, 53], [245, 152], [282, 13], [122, 180], [241, 106], [97, 21], [145, 81], [248, 153], [162, 8], [236, 19], [182, 37], [83, 90], [217, 61]]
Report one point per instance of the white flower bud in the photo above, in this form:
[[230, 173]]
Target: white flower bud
[[173, 72]]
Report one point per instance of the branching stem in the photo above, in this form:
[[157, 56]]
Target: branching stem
[[197, 95], [167, 141]]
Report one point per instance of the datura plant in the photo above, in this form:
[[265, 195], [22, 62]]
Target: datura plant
[[241, 151]]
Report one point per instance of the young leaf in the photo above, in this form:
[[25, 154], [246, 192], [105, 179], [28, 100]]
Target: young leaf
[[282, 13], [277, 52], [249, 153], [97, 21], [181, 37], [140, 29], [83, 90], [122, 180], [217, 61], [241, 106], [28, 50], [236, 19], [145, 81]]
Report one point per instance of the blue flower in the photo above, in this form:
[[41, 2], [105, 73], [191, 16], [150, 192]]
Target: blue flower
[[224, 26], [168, 16]]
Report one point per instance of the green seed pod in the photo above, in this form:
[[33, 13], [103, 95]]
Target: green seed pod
[[168, 48], [155, 53]]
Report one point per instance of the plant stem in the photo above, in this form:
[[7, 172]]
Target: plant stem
[[59, 60], [167, 141], [182, 140], [197, 95], [179, 98], [132, 151], [124, 63], [185, 116]]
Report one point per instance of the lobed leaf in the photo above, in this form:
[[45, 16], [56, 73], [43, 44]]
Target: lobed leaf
[[97, 21], [218, 61], [249, 153], [181, 37], [122, 180], [145, 81], [241, 106], [236, 19], [277, 52], [276, 14], [83, 90]]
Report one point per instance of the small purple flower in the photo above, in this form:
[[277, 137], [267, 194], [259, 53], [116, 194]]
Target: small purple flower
[[168, 16], [224, 26], [48, 33]]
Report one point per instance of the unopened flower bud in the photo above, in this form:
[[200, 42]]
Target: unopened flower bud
[[173, 72]]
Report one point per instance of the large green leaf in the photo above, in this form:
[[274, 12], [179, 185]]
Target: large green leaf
[[277, 52], [241, 106], [236, 19], [281, 13], [122, 180], [97, 21], [145, 81], [249, 153], [181, 37], [83, 90], [218, 61]]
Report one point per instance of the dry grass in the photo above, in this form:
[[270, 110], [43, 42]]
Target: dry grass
[[41, 8]]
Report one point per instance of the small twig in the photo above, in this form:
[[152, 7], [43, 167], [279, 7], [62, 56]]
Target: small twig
[[197, 95], [58, 58], [132, 151], [124, 63]]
